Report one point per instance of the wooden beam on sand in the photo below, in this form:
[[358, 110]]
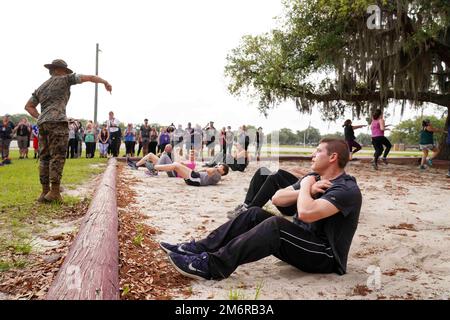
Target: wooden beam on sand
[[91, 268]]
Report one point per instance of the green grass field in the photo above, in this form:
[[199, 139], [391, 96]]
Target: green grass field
[[21, 216]]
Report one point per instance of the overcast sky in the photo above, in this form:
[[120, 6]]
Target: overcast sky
[[164, 59]]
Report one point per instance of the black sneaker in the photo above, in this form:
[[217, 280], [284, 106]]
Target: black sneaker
[[181, 248], [384, 161], [152, 173], [192, 266], [375, 165], [132, 164]]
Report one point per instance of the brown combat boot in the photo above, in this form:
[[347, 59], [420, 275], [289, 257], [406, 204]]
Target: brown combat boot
[[54, 194], [45, 190]]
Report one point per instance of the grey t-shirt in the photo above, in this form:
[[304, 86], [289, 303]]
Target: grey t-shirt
[[206, 180]]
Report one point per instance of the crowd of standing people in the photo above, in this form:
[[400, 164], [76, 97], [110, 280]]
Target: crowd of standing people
[[146, 138], [25, 133]]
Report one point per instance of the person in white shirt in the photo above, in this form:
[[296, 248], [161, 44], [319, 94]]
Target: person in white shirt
[[114, 134]]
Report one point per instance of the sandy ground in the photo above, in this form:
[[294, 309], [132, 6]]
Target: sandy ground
[[400, 250]]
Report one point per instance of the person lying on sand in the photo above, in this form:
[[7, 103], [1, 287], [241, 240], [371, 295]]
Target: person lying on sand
[[204, 177], [256, 233], [237, 162], [165, 158]]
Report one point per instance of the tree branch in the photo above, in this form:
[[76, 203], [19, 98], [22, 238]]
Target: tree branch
[[439, 99]]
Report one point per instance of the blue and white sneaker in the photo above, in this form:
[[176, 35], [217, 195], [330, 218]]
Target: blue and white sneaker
[[181, 248], [192, 266], [430, 162]]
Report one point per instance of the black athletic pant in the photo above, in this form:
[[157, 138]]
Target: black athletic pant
[[90, 149], [161, 147], [263, 186], [378, 143], [256, 234], [234, 164], [152, 147], [129, 147], [224, 150], [72, 148], [115, 143]]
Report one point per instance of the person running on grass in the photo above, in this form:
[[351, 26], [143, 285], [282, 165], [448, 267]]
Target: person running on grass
[[378, 128], [350, 138], [256, 234], [426, 142]]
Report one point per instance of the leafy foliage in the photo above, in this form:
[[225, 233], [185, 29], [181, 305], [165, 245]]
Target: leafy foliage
[[324, 54]]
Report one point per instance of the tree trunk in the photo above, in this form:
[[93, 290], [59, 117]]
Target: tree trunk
[[444, 152]]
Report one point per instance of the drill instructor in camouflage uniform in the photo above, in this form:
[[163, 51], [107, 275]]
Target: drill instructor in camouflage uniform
[[53, 96]]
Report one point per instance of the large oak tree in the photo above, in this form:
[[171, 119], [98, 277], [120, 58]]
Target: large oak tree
[[337, 54]]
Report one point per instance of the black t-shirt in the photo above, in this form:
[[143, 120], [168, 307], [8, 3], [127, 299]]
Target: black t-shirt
[[338, 230], [145, 132], [6, 131], [349, 133]]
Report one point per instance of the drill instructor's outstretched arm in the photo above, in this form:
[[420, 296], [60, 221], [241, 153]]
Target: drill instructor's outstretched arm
[[96, 79]]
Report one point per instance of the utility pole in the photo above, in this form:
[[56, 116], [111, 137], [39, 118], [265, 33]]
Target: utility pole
[[96, 85]]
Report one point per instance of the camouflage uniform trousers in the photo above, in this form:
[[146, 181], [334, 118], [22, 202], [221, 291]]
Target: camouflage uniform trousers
[[53, 140]]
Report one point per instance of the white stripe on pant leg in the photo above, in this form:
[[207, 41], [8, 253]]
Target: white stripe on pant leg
[[312, 251], [317, 244]]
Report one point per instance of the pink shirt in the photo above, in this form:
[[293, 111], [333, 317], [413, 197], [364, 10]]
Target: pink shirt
[[190, 165], [376, 129]]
